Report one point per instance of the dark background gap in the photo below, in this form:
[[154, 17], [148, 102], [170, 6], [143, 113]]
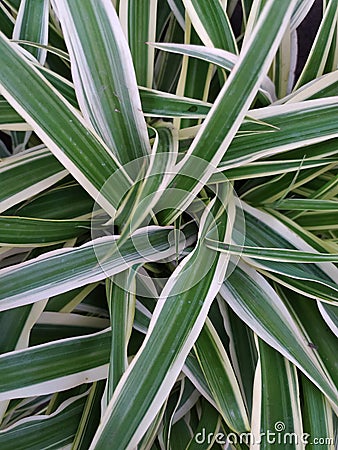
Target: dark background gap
[[306, 33]]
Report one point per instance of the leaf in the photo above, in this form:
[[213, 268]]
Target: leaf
[[174, 327], [330, 315], [104, 76], [61, 270], [316, 280], [230, 109], [149, 187], [10, 119], [219, 57], [272, 254], [90, 417], [320, 339], [121, 302], [304, 204], [22, 231], [211, 23], [269, 168], [254, 300], [210, 421], [317, 417], [54, 430], [161, 104], [315, 63], [138, 20], [44, 170], [78, 149], [285, 134], [44, 368], [221, 378], [276, 408], [32, 25]]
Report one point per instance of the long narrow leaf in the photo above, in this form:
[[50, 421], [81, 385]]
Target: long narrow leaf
[[138, 20], [230, 108], [50, 273], [256, 303], [32, 25], [221, 378], [72, 142], [43, 168], [175, 325], [104, 76], [276, 411], [211, 23]]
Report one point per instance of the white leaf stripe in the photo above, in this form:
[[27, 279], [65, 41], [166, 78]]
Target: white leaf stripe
[[104, 75], [78, 149], [220, 57], [273, 323], [175, 324], [229, 109], [221, 378], [32, 25], [49, 274], [272, 254]]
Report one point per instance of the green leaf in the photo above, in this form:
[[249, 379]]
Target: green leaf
[[32, 25], [174, 327], [268, 168], [160, 104], [324, 86], [43, 168], [221, 378], [61, 270], [149, 186], [304, 204], [272, 254], [104, 76], [276, 411], [318, 220], [121, 302], [315, 280], [26, 232], [320, 338], [219, 57], [90, 417], [195, 77], [55, 430], [229, 110], [211, 23], [210, 420], [72, 200], [315, 63], [7, 21], [317, 418], [254, 300], [317, 126], [44, 369], [242, 350], [330, 315], [72, 142], [138, 20], [10, 119]]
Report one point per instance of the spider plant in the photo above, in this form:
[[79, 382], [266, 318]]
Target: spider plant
[[168, 225]]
